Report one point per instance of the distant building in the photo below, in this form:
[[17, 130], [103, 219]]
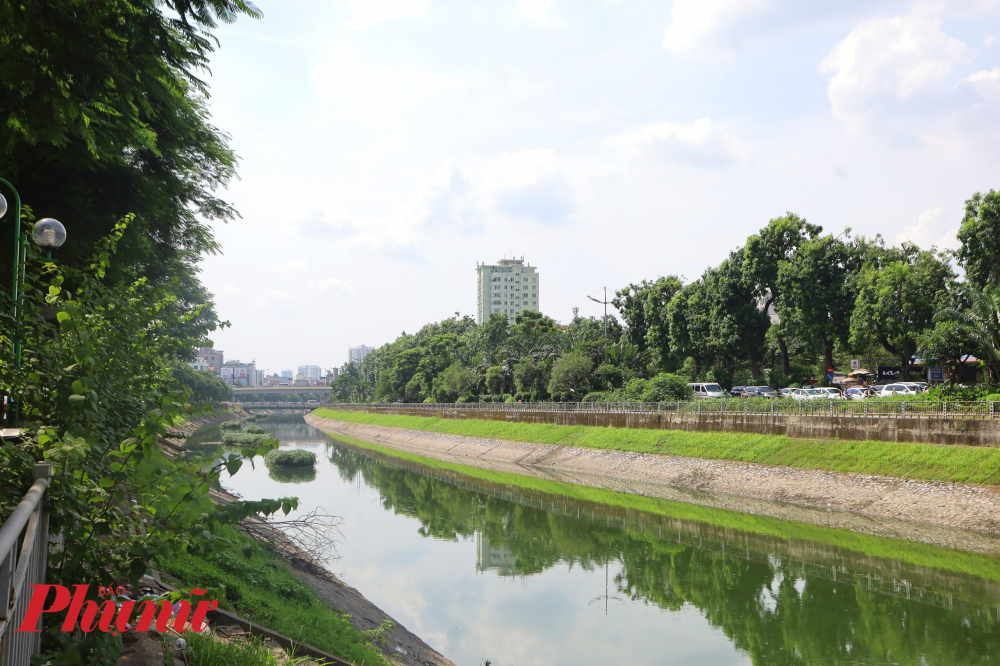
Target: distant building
[[240, 374], [209, 358], [331, 376], [302, 380], [511, 287], [287, 374], [313, 372], [357, 354], [199, 364]]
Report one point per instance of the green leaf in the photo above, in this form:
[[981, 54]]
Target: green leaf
[[106, 482]]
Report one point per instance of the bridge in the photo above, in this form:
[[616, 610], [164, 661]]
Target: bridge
[[241, 390], [308, 406]]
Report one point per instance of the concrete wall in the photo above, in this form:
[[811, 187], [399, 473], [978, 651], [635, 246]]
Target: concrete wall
[[928, 430]]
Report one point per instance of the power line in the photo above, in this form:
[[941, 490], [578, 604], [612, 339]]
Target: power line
[[605, 304]]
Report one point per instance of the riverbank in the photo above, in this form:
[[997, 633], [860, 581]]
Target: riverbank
[[295, 595], [919, 510]]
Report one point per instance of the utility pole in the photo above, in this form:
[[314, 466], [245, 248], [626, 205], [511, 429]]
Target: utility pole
[[605, 304]]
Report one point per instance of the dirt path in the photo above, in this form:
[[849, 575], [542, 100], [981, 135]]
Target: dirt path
[[964, 516]]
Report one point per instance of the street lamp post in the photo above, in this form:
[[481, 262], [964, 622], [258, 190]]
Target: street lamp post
[[49, 234]]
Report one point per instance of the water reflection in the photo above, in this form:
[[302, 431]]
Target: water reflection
[[776, 600], [780, 608]]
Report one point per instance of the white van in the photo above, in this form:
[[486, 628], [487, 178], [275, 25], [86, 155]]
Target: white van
[[708, 391]]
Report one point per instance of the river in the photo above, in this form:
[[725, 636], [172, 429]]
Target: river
[[486, 570]]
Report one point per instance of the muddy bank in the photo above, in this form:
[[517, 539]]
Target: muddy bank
[[401, 645], [963, 516]]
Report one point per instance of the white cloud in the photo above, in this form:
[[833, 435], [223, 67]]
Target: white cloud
[[703, 142], [366, 13], [710, 27], [931, 229], [353, 88], [537, 12], [884, 62], [986, 82], [528, 184]]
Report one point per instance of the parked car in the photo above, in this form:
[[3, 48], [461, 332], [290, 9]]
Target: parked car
[[759, 392], [787, 392], [810, 394], [920, 386], [898, 389], [858, 393], [832, 393], [736, 391], [707, 390]]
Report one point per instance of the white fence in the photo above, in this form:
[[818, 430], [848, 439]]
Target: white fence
[[20, 570]]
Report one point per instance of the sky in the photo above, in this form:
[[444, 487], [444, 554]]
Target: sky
[[388, 145]]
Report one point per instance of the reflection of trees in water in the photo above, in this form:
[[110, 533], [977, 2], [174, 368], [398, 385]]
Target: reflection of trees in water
[[762, 606], [291, 474]]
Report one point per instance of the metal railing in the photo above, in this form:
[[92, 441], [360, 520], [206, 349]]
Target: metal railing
[[755, 407], [278, 405], [20, 570]]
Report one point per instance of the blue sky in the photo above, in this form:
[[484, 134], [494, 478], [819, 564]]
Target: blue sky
[[388, 145]]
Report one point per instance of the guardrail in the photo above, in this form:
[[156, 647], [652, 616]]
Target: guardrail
[[734, 406], [19, 571]]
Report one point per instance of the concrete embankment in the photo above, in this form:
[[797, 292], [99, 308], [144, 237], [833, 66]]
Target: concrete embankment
[[968, 431], [963, 516]]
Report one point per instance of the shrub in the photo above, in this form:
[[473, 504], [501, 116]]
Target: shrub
[[245, 438], [291, 458], [595, 396], [254, 430], [230, 425], [666, 387]]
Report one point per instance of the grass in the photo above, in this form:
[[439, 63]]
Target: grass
[[920, 554], [206, 650], [253, 581], [966, 464]]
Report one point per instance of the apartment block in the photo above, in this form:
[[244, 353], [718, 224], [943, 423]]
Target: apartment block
[[510, 286]]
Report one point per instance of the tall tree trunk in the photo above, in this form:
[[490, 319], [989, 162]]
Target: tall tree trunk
[[786, 366], [754, 354], [827, 355], [904, 367]]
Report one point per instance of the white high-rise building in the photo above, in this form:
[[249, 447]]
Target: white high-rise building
[[287, 374], [357, 354], [511, 287], [313, 372]]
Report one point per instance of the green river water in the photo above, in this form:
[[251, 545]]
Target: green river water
[[484, 568]]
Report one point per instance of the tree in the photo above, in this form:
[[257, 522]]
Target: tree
[[105, 115], [816, 299], [453, 383], [763, 255], [980, 238], [981, 322], [689, 321], [658, 296], [896, 302], [531, 376], [571, 375], [737, 324]]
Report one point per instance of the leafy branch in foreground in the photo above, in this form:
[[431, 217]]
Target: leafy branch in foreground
[[98, 393]]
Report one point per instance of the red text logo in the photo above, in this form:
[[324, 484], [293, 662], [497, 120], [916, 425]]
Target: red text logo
[[109, 617]]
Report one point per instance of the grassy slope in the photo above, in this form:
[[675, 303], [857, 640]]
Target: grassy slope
[[259, 586], [925, 555], [967, 464]]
